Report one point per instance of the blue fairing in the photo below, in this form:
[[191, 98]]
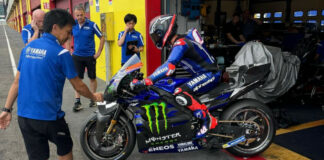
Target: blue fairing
[[175, 82]]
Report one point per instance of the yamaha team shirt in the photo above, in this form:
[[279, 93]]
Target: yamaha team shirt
[[84, 44], [26, 33], [130, 36], [44, 64]]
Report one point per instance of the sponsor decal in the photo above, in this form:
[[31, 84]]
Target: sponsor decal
[[156, 106], [185, 144], [111, 89], [161, 148], [196, 80], [190, 148], [204, 84], [160, 71], [166, 138], [234, 142], [86, 27], [35, 53], [133, 36]]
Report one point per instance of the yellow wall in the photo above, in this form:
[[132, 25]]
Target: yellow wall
[[120, 9]]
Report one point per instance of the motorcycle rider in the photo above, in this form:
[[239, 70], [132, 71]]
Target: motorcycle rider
[[187, 51]]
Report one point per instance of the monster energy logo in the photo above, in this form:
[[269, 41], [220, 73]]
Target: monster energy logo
[[156, 109]]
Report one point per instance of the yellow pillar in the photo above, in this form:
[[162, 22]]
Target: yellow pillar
[[119, 9], [21, 14], [28, 8]]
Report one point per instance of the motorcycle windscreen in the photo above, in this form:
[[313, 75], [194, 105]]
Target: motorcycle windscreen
[[132, 64]]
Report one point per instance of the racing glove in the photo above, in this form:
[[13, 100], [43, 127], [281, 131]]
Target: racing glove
[[144, 82]]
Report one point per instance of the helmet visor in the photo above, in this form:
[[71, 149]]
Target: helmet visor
[[157, 39]]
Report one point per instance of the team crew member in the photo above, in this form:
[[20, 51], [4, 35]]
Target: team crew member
[[43, 67], [130, 40], [84, 51], [34, 30], [233, 31], [189, 52]]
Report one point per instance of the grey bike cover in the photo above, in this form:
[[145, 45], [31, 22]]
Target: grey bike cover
[[283, 70]]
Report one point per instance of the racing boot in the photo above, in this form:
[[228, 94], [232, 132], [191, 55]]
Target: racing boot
[[200, 111]]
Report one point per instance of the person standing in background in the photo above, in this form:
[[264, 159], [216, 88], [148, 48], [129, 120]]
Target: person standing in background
[[43, 67], [34, 30], [250, 26], [233, 31], [130, 40], [84, 55]]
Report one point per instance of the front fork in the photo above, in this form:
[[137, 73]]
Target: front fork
[[114, 120]]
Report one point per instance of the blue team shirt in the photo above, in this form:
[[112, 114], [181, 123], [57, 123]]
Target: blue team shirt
[[26, 33], [84, 44], [43, 66], [131, 36]]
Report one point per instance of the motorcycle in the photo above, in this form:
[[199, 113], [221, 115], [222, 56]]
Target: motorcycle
[[150, 116], [309, 87]]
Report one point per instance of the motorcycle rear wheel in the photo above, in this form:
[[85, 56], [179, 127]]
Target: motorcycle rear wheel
[[251, 110], [124, 132]]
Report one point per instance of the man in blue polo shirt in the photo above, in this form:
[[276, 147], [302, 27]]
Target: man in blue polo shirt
[[43, 67], [84, 55], [34, 30], [130, 40]]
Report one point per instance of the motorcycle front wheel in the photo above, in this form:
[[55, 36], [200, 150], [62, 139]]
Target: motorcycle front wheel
[[263, 126], [118, 145]]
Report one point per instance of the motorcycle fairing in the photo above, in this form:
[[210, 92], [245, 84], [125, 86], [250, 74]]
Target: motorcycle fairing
[[157, 118]]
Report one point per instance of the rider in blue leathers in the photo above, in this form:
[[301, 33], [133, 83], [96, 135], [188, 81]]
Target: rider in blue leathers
[[187, 51]]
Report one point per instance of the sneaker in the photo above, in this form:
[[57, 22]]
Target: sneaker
[[77, 107], [92, 104]]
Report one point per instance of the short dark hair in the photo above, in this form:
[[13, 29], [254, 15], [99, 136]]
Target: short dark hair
[[57, 16], [130, 17]]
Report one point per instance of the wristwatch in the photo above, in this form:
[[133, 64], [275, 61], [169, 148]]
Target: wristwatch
[[4, 109]]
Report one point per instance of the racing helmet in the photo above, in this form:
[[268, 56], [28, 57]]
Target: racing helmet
[[162, 29]]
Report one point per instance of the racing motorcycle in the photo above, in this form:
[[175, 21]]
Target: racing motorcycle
[[309, 87], [151, 116]]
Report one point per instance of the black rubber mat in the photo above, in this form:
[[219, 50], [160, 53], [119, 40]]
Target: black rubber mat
[[307, 142]]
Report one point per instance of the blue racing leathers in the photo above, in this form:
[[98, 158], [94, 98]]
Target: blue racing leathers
[[190, 53]]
